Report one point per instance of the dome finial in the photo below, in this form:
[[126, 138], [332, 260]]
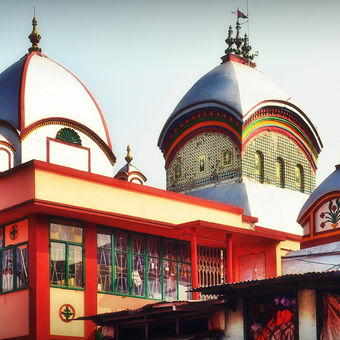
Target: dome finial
[[128, 157], [238, 39], [34, 37], [230, 41]]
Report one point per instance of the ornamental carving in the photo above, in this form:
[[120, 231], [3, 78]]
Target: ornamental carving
[[68, 135], [332, 215]]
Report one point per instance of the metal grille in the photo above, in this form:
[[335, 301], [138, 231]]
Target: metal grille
[[210, 268]]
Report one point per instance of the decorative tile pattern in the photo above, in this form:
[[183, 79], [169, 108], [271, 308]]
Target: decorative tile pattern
[[206, 159], [275, 146]]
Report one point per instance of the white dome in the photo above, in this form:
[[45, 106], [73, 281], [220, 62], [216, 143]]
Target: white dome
[[43, 89], [239, 87], [39, 98]]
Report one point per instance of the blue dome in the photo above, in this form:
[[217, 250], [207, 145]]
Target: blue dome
[[330, 184]]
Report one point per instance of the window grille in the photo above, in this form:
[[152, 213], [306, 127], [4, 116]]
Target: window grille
[[143, 265], [210, 267]]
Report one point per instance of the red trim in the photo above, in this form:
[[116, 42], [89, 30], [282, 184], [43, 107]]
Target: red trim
[[238, 59], [320, 240], [39, 278], [198, 130], [9, 157], [278, 233], [282, 132], [90, 294], [315, 205], [176, 114], [131, 186], [194, 262], [22, 91], [229, 247], [65, 121], [257, 232], [49, 139], [64, 337], [132, 179], [22, 95], [249, 219]]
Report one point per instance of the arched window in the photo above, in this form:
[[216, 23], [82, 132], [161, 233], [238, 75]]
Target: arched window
[[280, 172], [259, 166], [299, 178]]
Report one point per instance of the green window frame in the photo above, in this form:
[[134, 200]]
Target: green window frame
[[67, 254], [13, 265], [141, 265]]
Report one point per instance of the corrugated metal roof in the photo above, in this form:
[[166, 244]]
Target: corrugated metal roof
[[289, 281], [163, 307]]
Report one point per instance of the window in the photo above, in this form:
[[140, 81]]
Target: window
[[178, 172], [201, 161], [280, 172], [299, 178], [259, 166], [66, 254], [13, 265], [227, 157], [142, 265]]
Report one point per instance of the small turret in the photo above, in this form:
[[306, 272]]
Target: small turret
[[130, 173]]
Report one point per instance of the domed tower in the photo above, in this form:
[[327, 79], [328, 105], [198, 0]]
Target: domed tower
[[46, 113], [236, 137], [129, 172]]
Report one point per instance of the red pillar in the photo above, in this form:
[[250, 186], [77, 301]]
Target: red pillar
[[39, 277], [194, 262], [229, 258], [90, 277]]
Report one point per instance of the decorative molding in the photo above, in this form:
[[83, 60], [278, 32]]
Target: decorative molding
[[74, 125]]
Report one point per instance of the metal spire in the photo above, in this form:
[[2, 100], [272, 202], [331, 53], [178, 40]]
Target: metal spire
[[34, 37], [230, 41], [238, 39], [128, 157]]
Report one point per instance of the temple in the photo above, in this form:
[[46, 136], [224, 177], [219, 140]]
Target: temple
[[88, 252]]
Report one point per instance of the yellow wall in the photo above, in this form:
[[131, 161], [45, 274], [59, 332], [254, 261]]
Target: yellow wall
[[60, 297], [282, 249], [14, 314], [98, 196], [113, 303]]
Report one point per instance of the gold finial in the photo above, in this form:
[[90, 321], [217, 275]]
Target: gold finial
[[34, 37], [128, 157]]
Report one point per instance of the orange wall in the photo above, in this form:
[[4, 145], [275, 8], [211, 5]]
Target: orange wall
[[269, 250], [21, 182], [14, 314]]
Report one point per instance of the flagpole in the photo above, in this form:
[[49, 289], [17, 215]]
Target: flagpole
[[248, 20]]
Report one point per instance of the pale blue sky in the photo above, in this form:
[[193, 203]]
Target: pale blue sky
[[139, 57]]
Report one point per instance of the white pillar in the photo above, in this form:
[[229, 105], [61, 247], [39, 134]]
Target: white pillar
[[307, 314], [235, 321]]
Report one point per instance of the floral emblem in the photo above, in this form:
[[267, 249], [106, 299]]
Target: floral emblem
[[332, 215], [67, 313], [13, 234]]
